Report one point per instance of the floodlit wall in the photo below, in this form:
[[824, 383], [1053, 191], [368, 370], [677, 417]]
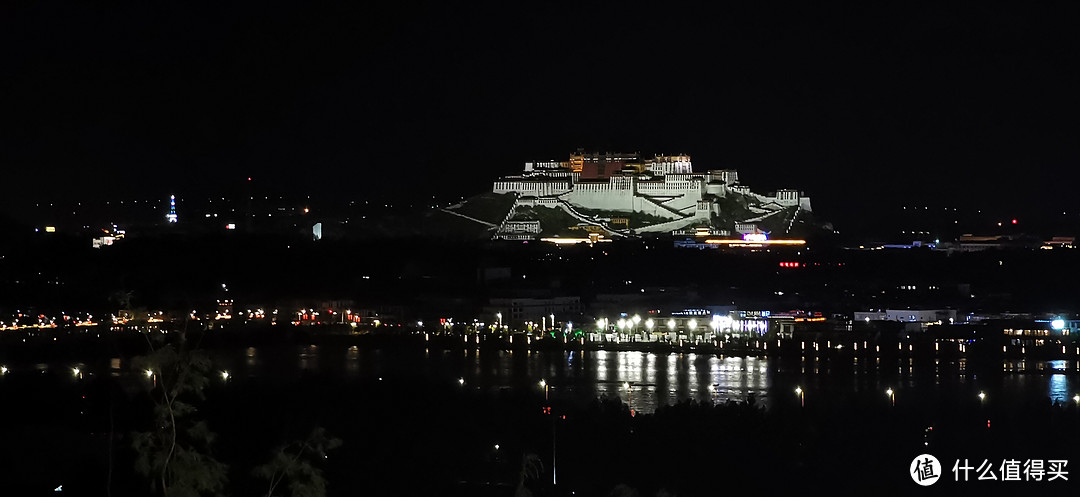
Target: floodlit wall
[[531, 186]]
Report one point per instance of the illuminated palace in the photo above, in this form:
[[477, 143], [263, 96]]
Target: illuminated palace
[[662, 194]]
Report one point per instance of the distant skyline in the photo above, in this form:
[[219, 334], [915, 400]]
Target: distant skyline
[[863, 107]]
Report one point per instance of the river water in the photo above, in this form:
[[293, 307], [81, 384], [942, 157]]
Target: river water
[[649, 380]]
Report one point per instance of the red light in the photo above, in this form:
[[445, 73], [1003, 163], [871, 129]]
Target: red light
[[1014, 221], [249, 178]]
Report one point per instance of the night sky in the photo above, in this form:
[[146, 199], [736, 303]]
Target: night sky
[[864, 107]]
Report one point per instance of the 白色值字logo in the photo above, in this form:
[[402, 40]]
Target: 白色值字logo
[[925, 469]]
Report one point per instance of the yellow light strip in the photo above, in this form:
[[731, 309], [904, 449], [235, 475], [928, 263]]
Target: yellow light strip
[[745, 243], [569, 241]]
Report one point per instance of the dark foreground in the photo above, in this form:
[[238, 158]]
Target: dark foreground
[[407, 434]]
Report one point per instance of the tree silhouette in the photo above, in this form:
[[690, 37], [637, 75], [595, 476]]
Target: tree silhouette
[[175, 452], [296, 463]]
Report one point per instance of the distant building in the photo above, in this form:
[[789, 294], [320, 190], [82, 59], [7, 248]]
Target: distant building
[[1060, 242], [519, 310], [171, 216], [664, 187], [909, 315]]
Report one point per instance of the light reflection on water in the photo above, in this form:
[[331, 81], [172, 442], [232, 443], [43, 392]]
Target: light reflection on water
[[657, 379]]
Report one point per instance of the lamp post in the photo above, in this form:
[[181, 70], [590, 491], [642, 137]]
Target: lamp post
[[892, 396], [544, 385], [629, 395], [802, 399], [649, 326]]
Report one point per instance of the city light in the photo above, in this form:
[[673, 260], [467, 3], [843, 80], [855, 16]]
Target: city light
[[745, 243], [225, 375], [1058, 324]]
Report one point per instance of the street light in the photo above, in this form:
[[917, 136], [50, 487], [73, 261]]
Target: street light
[[630, 395], [544, 385], [982, 396], [498, 315], [1076, 398], [892, 395], [225, 376], [802, 399]]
